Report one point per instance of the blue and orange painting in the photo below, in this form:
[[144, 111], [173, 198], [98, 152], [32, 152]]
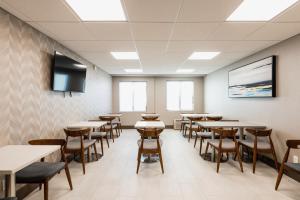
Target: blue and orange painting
[[253, 80]]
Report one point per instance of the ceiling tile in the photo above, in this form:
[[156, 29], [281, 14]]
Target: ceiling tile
[[44, 11], [193, 31], [290, 15], [276, 31], [67, 31], [207, 10], [109, 30], [100, 46], [234, 30], [152, 11], [149, 47], [151, 31]]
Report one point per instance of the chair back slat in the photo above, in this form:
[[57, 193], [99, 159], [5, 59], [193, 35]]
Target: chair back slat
[[196, 119], [225, 133], [107, 118], [150, 132], [150, 118], [259, 132], [77, 132], [293, 144], [214, 118]]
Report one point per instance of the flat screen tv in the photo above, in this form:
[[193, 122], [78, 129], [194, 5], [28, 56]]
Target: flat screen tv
[[68, 75], [257, 79]]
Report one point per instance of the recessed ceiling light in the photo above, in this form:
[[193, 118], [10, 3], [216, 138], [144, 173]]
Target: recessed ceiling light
[[203, 55], [133, 70], [125, 55], [259, 10], [185, 70], [98, 10]]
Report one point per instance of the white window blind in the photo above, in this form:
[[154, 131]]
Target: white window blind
[[132, 96]]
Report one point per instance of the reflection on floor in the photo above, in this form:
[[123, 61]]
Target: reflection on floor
[[187, 176]]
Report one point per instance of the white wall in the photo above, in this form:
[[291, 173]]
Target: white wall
[[282, 113], [156, 98]]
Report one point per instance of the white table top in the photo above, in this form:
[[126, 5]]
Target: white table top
[[200, 115], [150, 115], [149, 124], [87, 124], [229, 124], [111, 115], [16, 157]]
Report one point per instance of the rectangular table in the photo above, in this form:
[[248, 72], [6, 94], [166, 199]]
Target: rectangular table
[[16, 157], [87, 124], [150, 124], [186, 115]]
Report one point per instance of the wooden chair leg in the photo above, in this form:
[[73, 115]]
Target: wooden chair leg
[[138, 161], [89, 154], [95, 150], [68, 176], [254, 159], [101, 142], [190, 134], [46, 189], [274, 157], [206, 149], [237, 154], [279, 176], [219, 160], [107, 141], [201, 141], [161, 162], [112, 135], [195, 140], [82, 160]]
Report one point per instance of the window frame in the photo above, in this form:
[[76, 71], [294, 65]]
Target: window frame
[[132, 97], [193, 98]]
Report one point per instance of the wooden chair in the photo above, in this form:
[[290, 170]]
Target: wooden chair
[[150, 118], [78, 145], [110, 126], [192, 127], [205, 134], [225, 145], [258, 145], [291, 144], [99, 136], [118, 123], [41, 172], [149, 146]]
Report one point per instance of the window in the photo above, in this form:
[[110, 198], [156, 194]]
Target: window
[[180, 95], [132, 96]]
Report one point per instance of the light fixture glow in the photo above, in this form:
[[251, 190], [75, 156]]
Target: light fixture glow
[[259, 10], [98, 10], [185, 70], [133, 70], [125, 55], [203, 55]]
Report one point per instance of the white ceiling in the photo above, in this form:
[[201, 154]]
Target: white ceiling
[[164, 32]]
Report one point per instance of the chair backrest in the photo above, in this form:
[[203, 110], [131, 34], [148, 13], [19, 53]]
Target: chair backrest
[[60, 142], [107, 118], [225, 133], [77, 132], [214, 118], [150, 118], [150, 132], [260, 132], [196, 119], [293, 144]]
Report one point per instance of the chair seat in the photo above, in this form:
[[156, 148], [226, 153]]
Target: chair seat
[[96, 135], [75, 144], [108, 127], [226, 143], [38, 172], [260, 144], [204, 134], [149, 143], [294, 166]]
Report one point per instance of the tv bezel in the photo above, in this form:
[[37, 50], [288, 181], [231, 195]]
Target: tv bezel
[[52, 75], [274, 63]]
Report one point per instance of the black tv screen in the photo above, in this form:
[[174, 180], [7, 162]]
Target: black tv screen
[[68, 75]]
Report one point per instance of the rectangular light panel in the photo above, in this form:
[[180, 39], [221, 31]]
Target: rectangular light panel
[[98, 10], [203, 55], [133, 70], [125, 55], [185, 71], [259, 10]]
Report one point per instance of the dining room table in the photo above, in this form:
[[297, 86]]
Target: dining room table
[[16, 157], [240, 125]]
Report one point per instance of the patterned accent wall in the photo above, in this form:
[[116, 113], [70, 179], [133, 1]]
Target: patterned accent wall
[[28, 107]]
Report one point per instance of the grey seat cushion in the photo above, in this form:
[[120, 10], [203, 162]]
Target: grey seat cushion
[[38, 172], [108, 126], [75, 144], [260, 144], [149, 143], [226, 143], [294, 166], [95, 135]]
